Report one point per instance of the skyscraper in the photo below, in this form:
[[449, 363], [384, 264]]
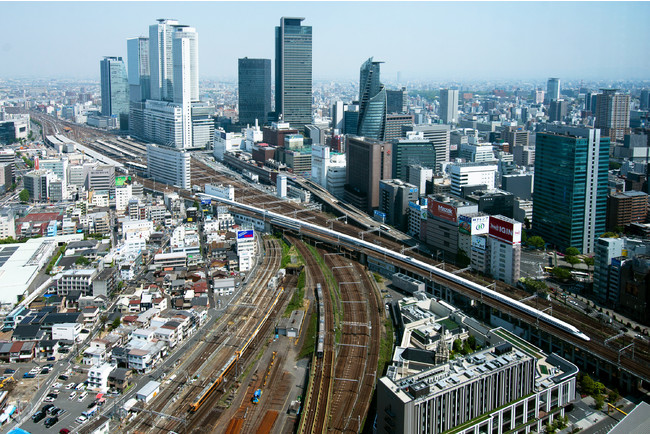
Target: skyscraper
[[254, 90], [171, 115], [115, 89], [613, 114], [449, 106], [293, 92], [138, 68], [570, 203], [185, 49], [368, 162], [372, 102], [552, 89], [160, 59]]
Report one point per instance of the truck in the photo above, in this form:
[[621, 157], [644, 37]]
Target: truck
[[256, 396]]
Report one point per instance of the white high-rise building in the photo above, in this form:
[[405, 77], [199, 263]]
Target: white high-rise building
[[320, 160], [169, 166], [186, 76], [336, 175], [449, 106], [463, 174], [281, 186], [138, 68], [161, 59]]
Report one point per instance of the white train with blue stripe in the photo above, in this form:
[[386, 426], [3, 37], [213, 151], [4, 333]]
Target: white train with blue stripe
[[292, 223]]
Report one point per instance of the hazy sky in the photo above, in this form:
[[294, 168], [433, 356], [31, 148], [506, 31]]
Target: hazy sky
[[421, 40]]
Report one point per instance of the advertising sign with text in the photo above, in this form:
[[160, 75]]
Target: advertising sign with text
[[505, 231], [442, 210]]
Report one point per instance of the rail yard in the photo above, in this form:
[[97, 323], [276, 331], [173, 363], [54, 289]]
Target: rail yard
[[214, 387]]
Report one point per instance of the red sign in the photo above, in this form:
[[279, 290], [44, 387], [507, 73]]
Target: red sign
[[442, 210], [505, 231]]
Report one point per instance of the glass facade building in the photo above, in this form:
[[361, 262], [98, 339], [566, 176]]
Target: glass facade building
[[138, 68], [293, 72], [254, 90], [372, 102], [410, 152], [570, 201], [114, 88]]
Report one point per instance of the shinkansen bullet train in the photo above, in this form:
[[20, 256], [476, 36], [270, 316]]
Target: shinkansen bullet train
[[296, 224]]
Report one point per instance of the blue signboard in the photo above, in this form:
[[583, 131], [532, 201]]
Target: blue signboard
[[206, 201], [380, 216], [242, 235]]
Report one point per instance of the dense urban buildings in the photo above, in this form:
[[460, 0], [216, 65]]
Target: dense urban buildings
[[449, 106], [293, 73], [613, 114], [368, 162]]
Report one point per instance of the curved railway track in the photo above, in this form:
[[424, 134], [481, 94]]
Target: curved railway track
[[211, 353], [314, 413]]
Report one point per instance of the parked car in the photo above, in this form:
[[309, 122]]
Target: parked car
[[44, 371], [73, 395], [51, 421], [58, 412], [64, 431], [82, 396], [10, 371], [63, 377], [79, 386], [57, 385], [49, 399], [38, 416], [28, 375], [81, 419], [46, 407], [70, 386]]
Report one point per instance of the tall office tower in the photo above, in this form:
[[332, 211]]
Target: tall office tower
[[372, 102], [350, 119], [449, 106], [293, 93], [337, 116], [412, 150], [471, 174], [515, 136], [185, 54], [552, 90], [161, 59], [254, 90], [396, 125], [394, 198], [368, 162], [115, 89], [440, 137], [396, 101], [557, 110], [570, 205], [138, 67], [613, 114], [644, 99]]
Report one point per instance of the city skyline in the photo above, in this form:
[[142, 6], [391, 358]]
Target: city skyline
[[416, 40]]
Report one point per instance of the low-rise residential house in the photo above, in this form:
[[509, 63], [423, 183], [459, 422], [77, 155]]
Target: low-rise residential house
[[146, 335], [66, 331], [119, 379], [47, 348], [144, 357], [75, 279], [98, 377], [97, 301], [134, 306], [90, 315], [160, 303], [144, 319], [167, 335], [94, 356], [22, 352]]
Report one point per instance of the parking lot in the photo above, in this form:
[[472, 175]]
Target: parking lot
[[66, 390]]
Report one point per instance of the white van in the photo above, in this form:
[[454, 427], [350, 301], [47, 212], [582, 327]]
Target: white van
[[82, 396]]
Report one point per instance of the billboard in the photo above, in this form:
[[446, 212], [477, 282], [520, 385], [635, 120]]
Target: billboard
[[380, 216], [478, 243], [206, 201], [244, 235], [442, 210], [473, 225], [121, 180], [505, 230]]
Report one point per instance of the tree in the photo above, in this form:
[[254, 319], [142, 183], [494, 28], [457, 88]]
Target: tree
[[526, 223], [116, 323], [609, 235], [82, 260], [533, 285], [24, 196], [589, 261], [572, 251], [600, 401], [613, 396], [561, 273], [536, 241], [458, 346], [587, 384], [619, 229], [572, 260], [471, 341], [462, 260]]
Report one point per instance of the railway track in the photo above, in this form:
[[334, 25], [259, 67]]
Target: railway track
[[212, 351], [356, 367], [314, 411]]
